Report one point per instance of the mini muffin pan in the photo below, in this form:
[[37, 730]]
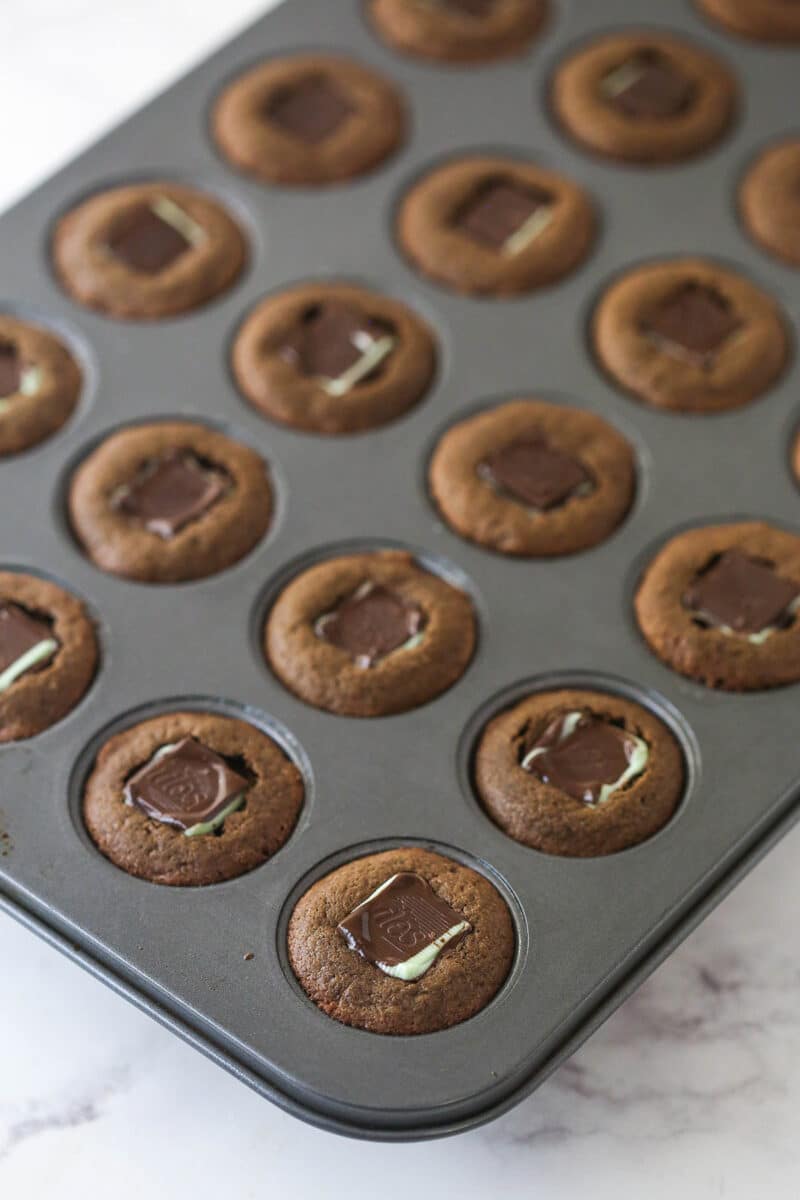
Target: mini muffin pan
[[211, 963]]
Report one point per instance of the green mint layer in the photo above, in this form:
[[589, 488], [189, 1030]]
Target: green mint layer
[[173, 215], [30, 658], [419, 963], [373, 352], [214, 824]]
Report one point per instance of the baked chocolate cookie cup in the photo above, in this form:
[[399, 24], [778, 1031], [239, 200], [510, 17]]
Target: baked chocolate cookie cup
[[579, 773], [495, 226], [169, 501], [188, 799], [795, 456], [308, 120], [39, 384], [690, 335], [367, 635], [718, 603], [333, 358], [769, 200], [643, 96], [458, 31], [428, 896], [764, 20], [48, 654], [148, 250], [533, 479]]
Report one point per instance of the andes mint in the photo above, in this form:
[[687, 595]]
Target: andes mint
[[336, 345], [694, 321], [26, 642], [504, 215], [371, 623], [188, 786], [311, 109], [535, 473], [649, 86], [586, 757], [153, 236], [10, 370], [170, 492], [16, 379], [470, 8], [740, 594], [403, 926]]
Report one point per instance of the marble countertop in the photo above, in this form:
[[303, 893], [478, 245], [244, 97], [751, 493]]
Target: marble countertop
[[692, 1087]]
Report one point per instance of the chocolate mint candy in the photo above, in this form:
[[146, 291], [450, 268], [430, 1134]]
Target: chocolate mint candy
[[739, 594], [148, 243], [470, 8], [649, 86], [403, 926], [371, 623], [26, 642], [335, 344], [535, 473], [311, 109], [187, 785], [692, 321], [586, 757], [10, 370], [171, 492], [504, 215]]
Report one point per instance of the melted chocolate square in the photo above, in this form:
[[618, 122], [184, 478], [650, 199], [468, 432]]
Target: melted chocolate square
[[649, 86], [19, 633], [582, 762], [186, 785], [147, 243], [330, 339], [693, 321], [370, 623], [311, 109], [497, 210], [10, 370], [535, 473], [171, 492], [741, 593], [401, 920], [470, 8]]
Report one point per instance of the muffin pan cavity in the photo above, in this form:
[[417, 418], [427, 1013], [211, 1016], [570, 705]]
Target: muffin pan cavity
[[212, 962]]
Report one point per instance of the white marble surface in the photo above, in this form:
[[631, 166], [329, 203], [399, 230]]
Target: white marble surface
[[692, 1089]]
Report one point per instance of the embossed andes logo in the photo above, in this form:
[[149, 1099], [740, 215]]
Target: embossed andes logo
[[692, 322], [337, 346], [736, 594], [170, 492], [311, 109], [588, 758], [648, 86], [371, 623], [403, 926], [535, 473], [504, 215], [153, 236], [187, 785], [26, 642]]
